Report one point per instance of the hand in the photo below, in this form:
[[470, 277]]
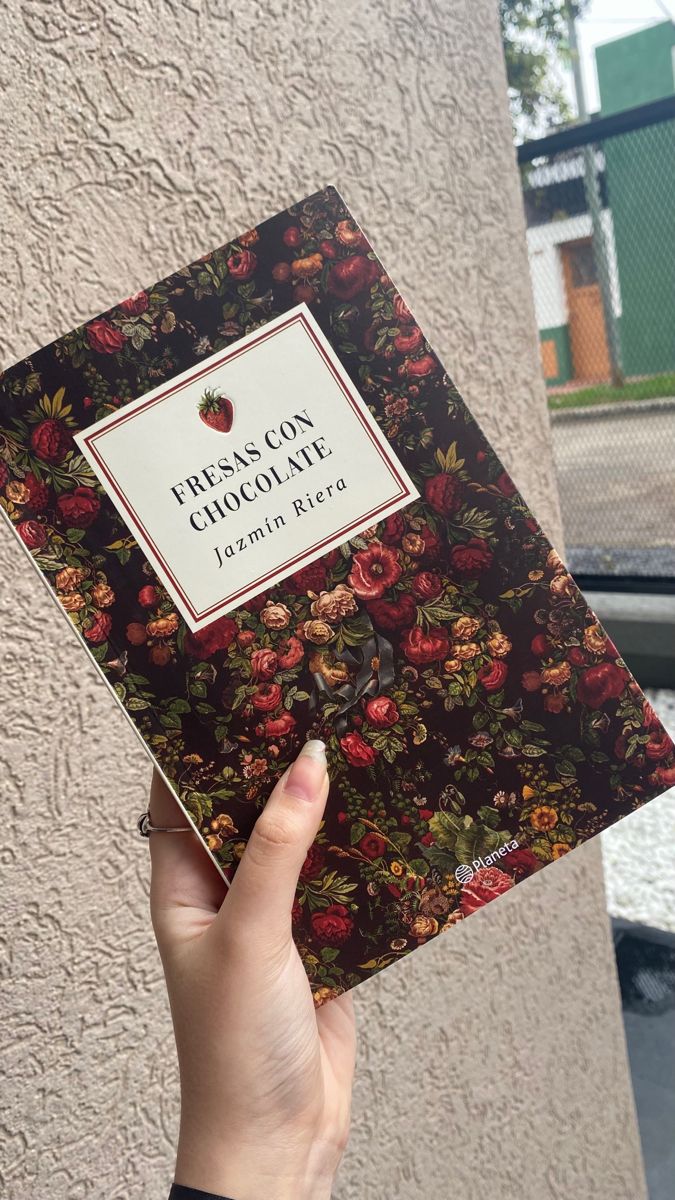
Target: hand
[[265, 1078]]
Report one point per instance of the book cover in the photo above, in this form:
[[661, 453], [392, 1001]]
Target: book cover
[[260, 500]]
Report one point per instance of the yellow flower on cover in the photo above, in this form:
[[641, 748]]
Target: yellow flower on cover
[[498, 644], [318, 632], [543, 818], [303, 268], [423, 927], [464, 628], [595, 639], [557, 675], [103, 595]]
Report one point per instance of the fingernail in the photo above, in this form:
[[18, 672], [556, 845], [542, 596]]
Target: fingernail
[[305, 775], [314, 749]]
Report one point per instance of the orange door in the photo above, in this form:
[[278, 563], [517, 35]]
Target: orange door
[[588, 337]]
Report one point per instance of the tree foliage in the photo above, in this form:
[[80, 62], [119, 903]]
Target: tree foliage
[[535, 37]]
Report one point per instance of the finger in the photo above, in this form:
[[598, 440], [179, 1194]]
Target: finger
[[261, 895], [183, 877]]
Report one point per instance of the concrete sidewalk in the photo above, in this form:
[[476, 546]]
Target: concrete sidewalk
[[613, 408], [616, 476]]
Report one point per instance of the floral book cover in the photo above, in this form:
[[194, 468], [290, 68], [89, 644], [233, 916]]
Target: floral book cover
[[269, 515]]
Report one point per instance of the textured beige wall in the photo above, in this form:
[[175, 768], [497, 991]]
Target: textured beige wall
[[133, 136]]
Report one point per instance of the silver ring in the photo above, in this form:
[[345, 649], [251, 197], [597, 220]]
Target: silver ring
[[145, 826]]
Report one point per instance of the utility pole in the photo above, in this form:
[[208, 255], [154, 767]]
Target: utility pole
[[594, 201]]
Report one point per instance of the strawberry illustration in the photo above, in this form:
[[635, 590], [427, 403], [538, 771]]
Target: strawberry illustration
[[216, 411]]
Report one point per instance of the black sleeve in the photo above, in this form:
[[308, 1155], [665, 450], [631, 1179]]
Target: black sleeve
[[178, 1192]]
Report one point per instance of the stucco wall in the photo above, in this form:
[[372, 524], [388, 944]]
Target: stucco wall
[[638, 852], [133, 137]]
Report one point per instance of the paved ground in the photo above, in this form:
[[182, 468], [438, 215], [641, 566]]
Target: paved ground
[[616, 474]]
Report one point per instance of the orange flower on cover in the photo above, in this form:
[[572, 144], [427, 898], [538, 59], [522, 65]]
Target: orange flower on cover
[[544, 818], [304, 268], [163, 626]]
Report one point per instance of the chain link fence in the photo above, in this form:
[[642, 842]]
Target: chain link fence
[[600, 212]]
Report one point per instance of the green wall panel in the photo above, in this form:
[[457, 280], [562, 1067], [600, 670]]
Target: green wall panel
[[641, 189]]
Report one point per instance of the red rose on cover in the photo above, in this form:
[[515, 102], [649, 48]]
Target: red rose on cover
[[427, 585], [291, 652], [134, 305], [493, 675], [311, 578], [420, 646], [649, 716], [148, 596], [242, 264], [540, 645], [432, 543], [442, 493], [267, 697], [79, 509], [600, 683], [314, 862], [472, 558], [352, 275], [372, 845], [506, 485], [263, 664], [216, 636], [50, 441], [279, 726], [393, 529], [393, 614], [418, 366], [103, 337], [333, 925], [357, 752], [486, 885], [576, 657], [99, 628], [665, 776], [409, 340], [382, 712], [374, 570], [38, 492], [658, 746], [401, 311], [521, 862], [32, 534]]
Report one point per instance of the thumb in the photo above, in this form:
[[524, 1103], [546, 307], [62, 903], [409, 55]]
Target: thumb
[[261, 895]]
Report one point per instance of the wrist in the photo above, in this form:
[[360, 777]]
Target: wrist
[[247, 1169]]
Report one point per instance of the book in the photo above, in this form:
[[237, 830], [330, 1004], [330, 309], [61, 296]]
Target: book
[[260, 500]]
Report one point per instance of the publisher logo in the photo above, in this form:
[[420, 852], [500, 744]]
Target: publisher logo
[[464, 873]]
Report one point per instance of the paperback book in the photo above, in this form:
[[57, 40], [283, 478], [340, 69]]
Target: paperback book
[[259, 499]]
